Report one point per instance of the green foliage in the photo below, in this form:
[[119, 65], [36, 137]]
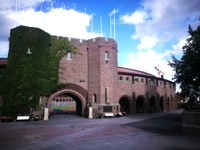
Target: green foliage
[[187, 68], [29, 76]]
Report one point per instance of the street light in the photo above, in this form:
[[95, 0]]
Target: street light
[[29, 51]]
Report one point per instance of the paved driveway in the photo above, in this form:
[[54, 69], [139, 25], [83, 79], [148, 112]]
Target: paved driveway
[[158, 131]]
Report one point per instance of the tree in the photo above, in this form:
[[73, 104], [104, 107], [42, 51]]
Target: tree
[[29, 76], [187, 71]]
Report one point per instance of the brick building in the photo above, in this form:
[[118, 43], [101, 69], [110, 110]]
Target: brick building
[[95, 79]]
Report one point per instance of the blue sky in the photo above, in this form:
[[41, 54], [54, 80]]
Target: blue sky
[[147, 31]]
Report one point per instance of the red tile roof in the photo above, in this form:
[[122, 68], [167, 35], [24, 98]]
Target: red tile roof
[[3, 61], [133, 72]]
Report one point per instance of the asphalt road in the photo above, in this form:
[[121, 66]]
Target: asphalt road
[[157, 131]]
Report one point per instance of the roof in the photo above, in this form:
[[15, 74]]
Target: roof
[[122, 70], [3, 61]]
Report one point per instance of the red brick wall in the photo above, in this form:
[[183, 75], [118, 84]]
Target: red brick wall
[[92, 72], [75, 70]]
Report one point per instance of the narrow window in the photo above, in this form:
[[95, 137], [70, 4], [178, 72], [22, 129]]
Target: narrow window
[[107, 95], [106, 57], [133, 80], [94, 98], [69, 56], [120, 78]]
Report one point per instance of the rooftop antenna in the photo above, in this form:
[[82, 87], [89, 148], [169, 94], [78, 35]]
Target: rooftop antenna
[[159, 71]]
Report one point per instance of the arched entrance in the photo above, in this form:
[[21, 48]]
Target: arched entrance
[[162, 103], [152, 104], [140, 104], [66, 104], [168, 104], [124, 105], [67, 101]]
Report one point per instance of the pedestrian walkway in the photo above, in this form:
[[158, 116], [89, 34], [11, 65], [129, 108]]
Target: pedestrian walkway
[[160, 131]]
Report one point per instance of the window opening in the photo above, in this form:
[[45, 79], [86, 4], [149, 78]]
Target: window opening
[[69, 56], [94, 98], [106, 57], [120, 78]]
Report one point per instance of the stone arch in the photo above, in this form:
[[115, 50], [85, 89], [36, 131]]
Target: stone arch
[[152, 104], [124, 102], [140, 102], [80, 99]]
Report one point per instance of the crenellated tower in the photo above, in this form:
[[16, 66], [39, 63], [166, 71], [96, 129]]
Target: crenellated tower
[[102, 73]]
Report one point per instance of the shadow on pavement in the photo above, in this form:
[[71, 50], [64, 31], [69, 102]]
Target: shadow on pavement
[[169, 124]]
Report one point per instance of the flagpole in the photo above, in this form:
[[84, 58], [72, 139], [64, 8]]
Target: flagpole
[[51, 5], [101, 25], [110, 26], [16, 11], [114, 24], [92, 22]]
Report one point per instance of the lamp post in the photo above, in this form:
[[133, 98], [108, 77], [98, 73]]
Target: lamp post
[[28, 51]]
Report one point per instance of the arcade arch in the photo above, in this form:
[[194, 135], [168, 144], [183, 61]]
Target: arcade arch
[[161, 103], [140, 104], [152, 104], [124, 105], [76, 101]]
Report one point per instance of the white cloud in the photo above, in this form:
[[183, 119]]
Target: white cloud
[[160, 26], [62, 22], [177, 48], [147, 60], [164, 19], [58, 21], [135, 18], [147, 42]]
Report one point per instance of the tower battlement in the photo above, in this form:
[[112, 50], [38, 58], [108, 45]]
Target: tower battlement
[[98, 41]]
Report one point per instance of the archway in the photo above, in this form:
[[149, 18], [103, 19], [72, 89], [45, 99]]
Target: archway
[[67, 101], [162, 103], [124, 105], [168, 104], [140, 104], [152, 104]]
